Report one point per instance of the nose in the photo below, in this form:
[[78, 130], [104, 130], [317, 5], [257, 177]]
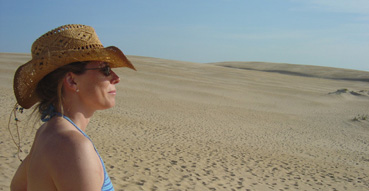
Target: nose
[[115, 78]]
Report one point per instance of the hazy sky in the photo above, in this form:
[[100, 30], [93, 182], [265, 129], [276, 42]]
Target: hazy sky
[[313, 32]]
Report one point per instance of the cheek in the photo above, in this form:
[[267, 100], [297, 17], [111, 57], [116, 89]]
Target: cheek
[[88, 89], [96, 90]]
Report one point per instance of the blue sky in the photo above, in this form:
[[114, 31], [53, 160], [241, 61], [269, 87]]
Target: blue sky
[[332, 33]]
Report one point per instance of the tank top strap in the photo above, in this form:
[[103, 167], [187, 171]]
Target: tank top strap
[[80, 130]]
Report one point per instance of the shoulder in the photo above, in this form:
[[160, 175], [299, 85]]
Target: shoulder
[[72, 159], [62, 138]]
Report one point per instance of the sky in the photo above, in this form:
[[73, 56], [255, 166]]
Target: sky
[[333, 33]]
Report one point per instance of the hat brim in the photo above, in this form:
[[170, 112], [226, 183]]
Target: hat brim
[[29, 74]]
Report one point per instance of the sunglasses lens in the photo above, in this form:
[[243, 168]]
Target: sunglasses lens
[[106, 70]]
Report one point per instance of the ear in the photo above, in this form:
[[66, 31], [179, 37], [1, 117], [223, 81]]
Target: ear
[[69, 81]]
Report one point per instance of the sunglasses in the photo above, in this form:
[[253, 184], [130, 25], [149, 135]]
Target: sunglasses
[[106, 70]]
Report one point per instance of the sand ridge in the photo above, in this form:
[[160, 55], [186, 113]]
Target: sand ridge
[[299, 70], [190, 126]]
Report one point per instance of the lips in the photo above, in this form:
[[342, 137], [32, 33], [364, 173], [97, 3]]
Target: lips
[[113, 92]]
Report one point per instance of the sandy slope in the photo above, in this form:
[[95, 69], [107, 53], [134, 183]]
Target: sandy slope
[[299, 70], [190, 126]]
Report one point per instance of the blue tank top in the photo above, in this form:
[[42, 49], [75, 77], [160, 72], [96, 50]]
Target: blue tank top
[[107, 185]]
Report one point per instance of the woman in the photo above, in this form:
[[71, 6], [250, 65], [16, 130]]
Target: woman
[[70, 78]]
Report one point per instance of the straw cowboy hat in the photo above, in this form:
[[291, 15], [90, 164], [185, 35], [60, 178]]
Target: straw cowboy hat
[[59, 47]]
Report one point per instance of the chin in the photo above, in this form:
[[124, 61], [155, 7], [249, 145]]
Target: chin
[[111, 105]]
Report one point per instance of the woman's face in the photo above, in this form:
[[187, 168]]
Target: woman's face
[[97, 90]]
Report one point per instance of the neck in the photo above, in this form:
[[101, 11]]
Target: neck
[[74, 109], [78, 114], [79, 118]]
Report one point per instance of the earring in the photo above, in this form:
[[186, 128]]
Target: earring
[[77, 90]]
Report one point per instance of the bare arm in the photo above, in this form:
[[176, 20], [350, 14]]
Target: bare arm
[[19, 181]]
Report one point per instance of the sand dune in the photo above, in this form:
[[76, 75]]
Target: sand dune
[[190, 126], [300, 70]]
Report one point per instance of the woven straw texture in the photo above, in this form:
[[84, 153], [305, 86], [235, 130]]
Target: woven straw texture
[[59, 47]]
